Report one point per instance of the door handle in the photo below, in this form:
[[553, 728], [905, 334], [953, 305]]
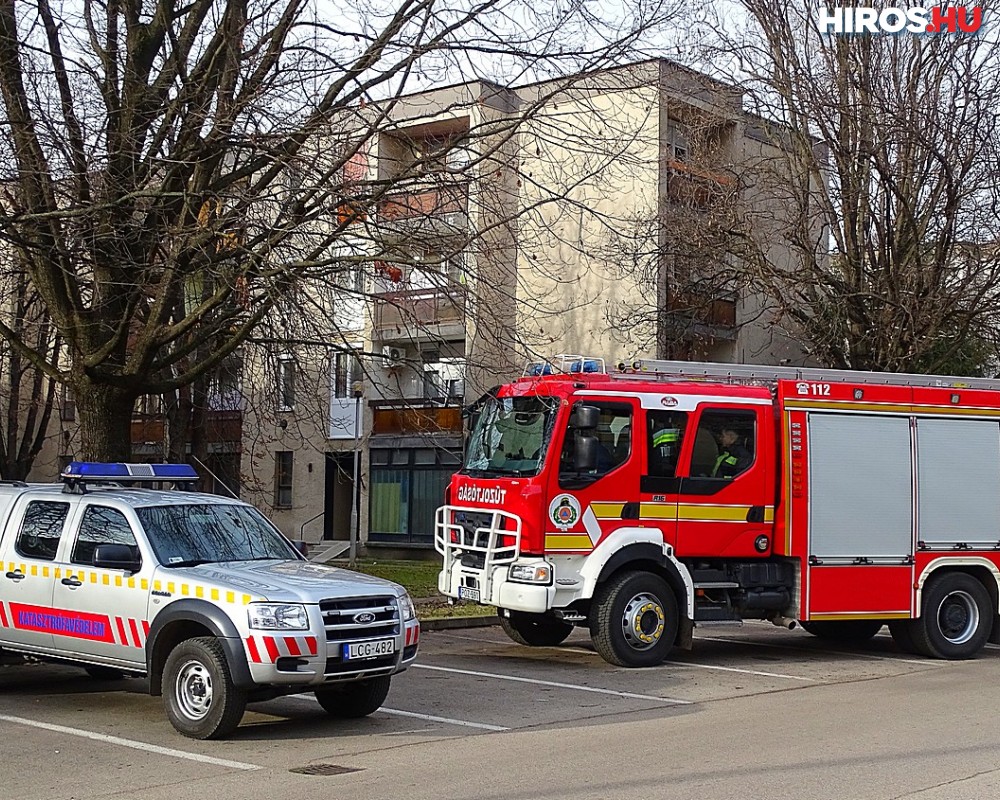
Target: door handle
[[72, 582], [16, 576]]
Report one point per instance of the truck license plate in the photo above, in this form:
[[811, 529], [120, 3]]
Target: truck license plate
[[468, 593], [372, 649]]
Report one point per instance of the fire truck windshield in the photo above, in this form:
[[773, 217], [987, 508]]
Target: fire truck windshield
[[511, 436]]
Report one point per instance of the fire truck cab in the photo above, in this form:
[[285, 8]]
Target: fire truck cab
[[645, 502]]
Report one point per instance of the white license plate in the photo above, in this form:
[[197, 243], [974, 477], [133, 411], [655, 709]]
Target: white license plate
[[372, 649], [468, 593]]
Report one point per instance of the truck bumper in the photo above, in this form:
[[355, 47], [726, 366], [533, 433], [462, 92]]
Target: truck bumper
[[494, 589]]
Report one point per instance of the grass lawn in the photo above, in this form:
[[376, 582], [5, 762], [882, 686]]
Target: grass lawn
[[420, 580]]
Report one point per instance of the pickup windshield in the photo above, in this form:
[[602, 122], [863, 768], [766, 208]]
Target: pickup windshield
[[511, 436], [186, 535]]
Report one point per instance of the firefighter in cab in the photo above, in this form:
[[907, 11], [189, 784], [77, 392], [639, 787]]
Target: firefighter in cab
[[733, 456]]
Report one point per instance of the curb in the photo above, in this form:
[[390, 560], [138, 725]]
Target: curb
[[453, 623]]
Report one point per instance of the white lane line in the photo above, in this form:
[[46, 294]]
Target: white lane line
[[744, 671], [616, 693], [428, 717], [149, 748], [925, 662]]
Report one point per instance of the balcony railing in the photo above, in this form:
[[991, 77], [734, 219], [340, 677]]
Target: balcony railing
[[219, 426], [415, 416], [409, 309], [694, 186], [427, 201], [703, 313]]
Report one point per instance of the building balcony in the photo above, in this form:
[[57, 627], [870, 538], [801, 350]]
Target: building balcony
[[219, 427], [430, 206], [694, 314], [696, 187], [416, 416], [413, 314]]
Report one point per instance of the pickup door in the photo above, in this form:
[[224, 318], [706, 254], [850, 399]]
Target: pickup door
[[109, 605], [28, 554]]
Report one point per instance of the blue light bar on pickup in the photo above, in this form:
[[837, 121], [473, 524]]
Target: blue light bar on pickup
[[97, 471]]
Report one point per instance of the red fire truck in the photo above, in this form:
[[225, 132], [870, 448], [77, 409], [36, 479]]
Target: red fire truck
[[645, 502]]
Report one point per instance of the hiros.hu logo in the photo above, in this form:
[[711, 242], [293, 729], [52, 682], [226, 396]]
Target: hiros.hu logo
[[917, 19]]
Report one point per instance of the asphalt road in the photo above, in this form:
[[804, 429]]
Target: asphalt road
[[753, 712]]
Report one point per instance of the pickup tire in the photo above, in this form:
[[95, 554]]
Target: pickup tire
[[354, 700], [633, 619], [534, 630], [956, 617], [846, 630], [199, 695]]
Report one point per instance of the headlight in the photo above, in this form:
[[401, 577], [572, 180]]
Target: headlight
[[531, 573], [406, 607], [278, 617]]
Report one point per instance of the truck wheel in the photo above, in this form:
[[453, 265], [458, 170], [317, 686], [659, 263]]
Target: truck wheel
[[99, 673], [633, 620], [957, 617], [354, 700], [534, 630], [845, 630], [198, 692]]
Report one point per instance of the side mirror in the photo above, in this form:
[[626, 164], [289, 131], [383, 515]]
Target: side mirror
[[585, 418], [585, 452], [116, 556]]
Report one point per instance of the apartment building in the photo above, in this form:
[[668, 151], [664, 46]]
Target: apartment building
[[577, 216]]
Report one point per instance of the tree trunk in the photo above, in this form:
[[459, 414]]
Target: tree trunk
[[105, 415]]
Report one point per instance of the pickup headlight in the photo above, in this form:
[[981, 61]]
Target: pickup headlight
[[278, 617], [406, 607], [531, 573]]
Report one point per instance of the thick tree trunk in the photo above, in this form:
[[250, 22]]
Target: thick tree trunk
[[105, 415]]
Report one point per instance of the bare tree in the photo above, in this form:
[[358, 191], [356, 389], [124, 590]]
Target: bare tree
[[177, 171], [882, 152]]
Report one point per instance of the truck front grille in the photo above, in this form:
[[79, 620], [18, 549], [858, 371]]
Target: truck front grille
[[360, 618]]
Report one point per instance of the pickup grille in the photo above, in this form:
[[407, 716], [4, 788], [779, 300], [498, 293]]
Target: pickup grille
[[341, 618]]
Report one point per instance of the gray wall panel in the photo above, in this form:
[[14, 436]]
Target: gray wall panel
[[958, 462], [859, 486]]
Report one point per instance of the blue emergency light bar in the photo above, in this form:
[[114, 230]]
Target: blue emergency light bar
[[545, 368], [77, 471]]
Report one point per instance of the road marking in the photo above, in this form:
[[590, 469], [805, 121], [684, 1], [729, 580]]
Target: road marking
[[818, 652], [615, 692], [398, 713], [149, 748], [744, 671]]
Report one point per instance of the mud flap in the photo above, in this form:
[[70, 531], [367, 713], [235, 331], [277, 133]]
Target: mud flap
[[685, 634]]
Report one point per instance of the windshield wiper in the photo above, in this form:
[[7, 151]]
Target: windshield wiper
[[191, 562]]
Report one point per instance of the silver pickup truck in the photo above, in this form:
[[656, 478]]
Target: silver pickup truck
[[200, 593]]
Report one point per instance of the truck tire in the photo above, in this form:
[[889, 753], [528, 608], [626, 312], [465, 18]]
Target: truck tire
[[534, 630], [354, 700], [845, 630], [198, 692], [956, 619], [99, 673], [633, 619]]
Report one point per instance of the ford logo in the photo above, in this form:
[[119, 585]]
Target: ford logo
[[364, 618]]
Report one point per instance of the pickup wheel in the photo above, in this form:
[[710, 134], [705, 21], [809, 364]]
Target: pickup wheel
[[99, 673], [847, 630], [633, 620], [198, 692], [354, 700], [534, 630], [957, 616]]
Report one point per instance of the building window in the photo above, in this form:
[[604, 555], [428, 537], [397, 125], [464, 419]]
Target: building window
[[283, 479], [677, 142], [346, 372], [407, 486], [67, 405], [286, 383]]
